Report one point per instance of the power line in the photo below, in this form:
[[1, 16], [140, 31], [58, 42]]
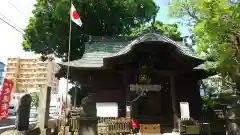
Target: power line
[[11, 25], [15, 7], [17, 28], [11, 21]]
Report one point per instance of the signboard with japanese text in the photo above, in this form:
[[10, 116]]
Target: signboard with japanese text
[[144, 87], [5, 98]]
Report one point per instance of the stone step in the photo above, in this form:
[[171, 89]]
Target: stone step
[[174, 133], [66, 133]]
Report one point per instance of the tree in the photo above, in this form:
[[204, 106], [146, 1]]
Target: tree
[[171, 30], [47, 31], [77, 92], [216, 25]]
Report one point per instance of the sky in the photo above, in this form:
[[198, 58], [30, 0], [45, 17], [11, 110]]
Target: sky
[[163, 16], [10, 39], [17, 13]]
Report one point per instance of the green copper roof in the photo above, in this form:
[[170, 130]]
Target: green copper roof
[[97, 51], [110, 47], [156, 37]]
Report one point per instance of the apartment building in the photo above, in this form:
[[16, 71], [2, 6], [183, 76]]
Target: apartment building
[[31, 74]]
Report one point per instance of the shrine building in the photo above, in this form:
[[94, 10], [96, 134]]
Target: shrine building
[[150, 73]]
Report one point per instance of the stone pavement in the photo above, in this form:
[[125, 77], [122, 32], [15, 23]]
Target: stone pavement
[[35, 131], [173, 133]]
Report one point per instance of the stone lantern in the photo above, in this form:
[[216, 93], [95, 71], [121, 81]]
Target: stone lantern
[[233, 114]]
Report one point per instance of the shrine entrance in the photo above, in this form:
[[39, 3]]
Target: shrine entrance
[[151, 99], [152, 74]]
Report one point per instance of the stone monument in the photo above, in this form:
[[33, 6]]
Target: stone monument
[[23, 112], [22, 119], [43, 110]]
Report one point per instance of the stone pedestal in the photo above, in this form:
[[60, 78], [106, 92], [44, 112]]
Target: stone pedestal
[[88, 126], [65, 130], [43, 110], [88, 122], [46, 131], [233, 115], [233, 122]]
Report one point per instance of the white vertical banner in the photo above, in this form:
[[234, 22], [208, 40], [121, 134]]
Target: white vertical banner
[[184, 108]]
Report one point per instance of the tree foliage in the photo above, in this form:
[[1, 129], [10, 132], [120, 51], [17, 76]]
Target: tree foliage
[[48, 29], [216, 24], [217, 92], [77, 92], [170, 30]]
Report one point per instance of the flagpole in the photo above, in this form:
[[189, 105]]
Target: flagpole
[[68, 60]]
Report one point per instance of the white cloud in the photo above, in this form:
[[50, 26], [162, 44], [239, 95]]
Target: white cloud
[[10, 41]]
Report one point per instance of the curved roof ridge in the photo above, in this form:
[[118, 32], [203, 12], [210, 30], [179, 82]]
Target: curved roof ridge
[[96, 58], [154, 36], [128, 47], [181, 48]]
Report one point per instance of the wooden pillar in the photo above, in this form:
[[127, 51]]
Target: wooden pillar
[[122, 104], [173, 97], [121, 109], [125, 91], [133, 109]]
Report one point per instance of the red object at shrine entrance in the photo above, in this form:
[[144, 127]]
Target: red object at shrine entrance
[[5, 98]]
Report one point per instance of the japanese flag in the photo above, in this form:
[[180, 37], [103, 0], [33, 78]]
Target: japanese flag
[[75, 16]]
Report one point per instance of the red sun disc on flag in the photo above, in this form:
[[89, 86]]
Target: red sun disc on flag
[[75, 15]]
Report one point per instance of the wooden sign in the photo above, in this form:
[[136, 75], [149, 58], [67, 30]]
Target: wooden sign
[[145, 87], [150, 128], [190, 130]]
